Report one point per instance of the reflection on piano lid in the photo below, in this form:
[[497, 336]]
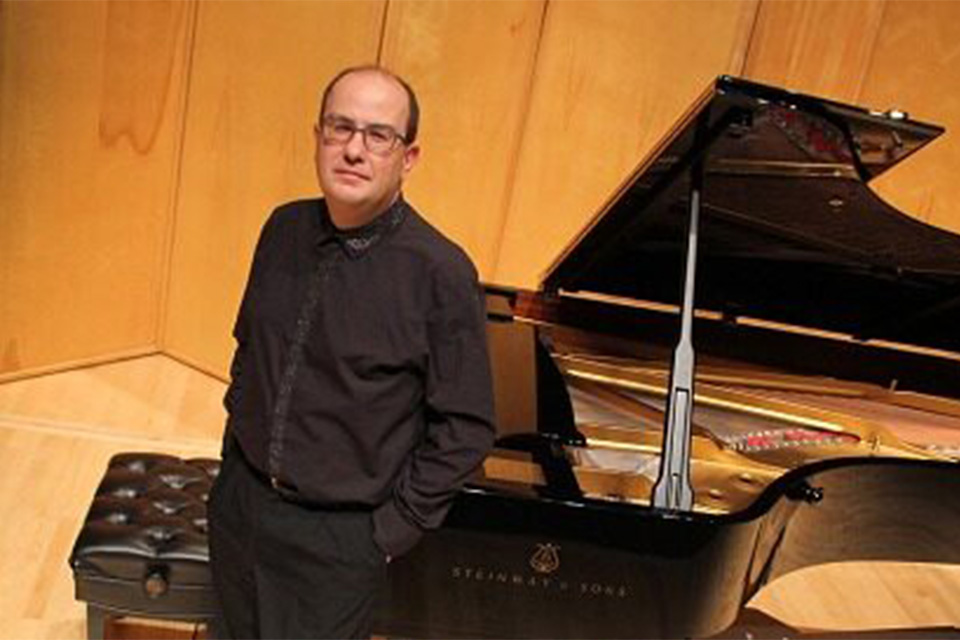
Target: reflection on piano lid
[[825, 424]]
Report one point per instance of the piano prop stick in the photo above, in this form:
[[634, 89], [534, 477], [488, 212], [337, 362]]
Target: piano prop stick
[[672, 490]]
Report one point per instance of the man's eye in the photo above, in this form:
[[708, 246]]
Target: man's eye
[[342, 128], [379, 135]]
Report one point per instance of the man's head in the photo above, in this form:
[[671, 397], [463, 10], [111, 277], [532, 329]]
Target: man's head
[[365, 142]]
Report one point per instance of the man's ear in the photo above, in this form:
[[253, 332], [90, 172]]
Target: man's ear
[[410, 156]]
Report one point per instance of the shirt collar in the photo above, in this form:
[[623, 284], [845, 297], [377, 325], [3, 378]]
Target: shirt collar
[[358, 241]]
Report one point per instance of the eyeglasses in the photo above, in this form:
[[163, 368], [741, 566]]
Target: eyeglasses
[[380, 139]]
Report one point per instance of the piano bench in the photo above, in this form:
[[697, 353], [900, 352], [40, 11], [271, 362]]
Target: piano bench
[[142, 550]]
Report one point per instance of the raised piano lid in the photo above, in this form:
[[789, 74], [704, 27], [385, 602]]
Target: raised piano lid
[[790, 232]]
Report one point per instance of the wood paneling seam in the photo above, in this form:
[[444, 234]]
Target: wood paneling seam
[[868, 66], [514, 161], [741, 64], [195, 365], [383, 31], [170, 233], [71, 365]]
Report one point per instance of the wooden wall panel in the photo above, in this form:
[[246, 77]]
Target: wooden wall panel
[[258, 70], [90, 104], [916, 68], [821, 47], [611, 77], [471, 64], [881, 54]]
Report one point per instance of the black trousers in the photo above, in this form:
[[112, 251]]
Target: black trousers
[[288, 570]]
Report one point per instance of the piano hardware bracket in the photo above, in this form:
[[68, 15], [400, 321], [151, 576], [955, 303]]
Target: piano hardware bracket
[[804, 491]]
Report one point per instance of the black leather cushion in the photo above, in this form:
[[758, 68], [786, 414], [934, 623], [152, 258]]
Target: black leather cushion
[[146, 528]]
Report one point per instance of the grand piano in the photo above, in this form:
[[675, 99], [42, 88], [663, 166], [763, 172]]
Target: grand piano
[[746, 364]]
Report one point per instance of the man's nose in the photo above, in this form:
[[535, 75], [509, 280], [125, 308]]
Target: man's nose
[[354, 148]]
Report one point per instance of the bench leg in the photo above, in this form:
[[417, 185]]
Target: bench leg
[[97, 619]]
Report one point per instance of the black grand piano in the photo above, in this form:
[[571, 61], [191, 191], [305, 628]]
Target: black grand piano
[[746, 364]]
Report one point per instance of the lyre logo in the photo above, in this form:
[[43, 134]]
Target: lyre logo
[[546, 558]]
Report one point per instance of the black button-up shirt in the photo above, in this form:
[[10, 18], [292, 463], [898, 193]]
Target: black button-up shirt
[[361, 376]]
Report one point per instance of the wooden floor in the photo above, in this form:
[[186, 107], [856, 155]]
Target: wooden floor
[[58, 431]]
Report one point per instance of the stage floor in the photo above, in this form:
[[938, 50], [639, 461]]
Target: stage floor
[[58, 431]]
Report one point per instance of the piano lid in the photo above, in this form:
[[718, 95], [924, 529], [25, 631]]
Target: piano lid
[[789, 231]]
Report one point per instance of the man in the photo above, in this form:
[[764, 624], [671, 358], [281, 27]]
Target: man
[[360, 397]]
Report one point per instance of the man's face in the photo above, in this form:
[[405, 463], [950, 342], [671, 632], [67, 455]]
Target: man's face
[[355, 181]]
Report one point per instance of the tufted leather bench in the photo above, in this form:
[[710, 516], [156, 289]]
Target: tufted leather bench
[[143, 550]]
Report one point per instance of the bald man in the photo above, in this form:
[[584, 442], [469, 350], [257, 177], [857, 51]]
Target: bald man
[[360, 398]]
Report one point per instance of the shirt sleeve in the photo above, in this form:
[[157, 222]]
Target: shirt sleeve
[[459, 414], [240, 330]]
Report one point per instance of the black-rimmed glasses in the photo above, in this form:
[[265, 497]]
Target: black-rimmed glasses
[[377, 138]]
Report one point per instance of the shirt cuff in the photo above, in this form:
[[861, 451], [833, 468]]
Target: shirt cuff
[[392, 532]]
